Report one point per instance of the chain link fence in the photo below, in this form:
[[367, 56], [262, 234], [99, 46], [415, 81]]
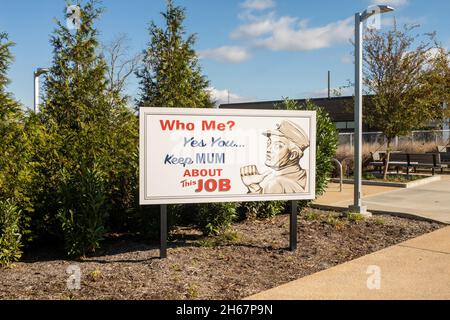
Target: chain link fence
[[437, 137]]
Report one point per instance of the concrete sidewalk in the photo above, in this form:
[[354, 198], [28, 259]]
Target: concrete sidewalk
[[430, 201], [413, 270]]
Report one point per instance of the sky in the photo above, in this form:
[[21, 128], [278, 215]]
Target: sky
[[250, 50]]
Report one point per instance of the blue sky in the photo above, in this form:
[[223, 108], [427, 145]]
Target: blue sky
[[255, 49]]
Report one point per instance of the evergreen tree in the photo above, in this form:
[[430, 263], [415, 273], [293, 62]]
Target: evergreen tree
[[76, 85], [87, 162], [15, 171], [14, 146], [8, 106], [171, 76]]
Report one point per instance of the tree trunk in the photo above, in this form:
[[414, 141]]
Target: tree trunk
[[387, 159]]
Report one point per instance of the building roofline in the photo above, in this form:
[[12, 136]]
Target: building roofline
[[280, 101]]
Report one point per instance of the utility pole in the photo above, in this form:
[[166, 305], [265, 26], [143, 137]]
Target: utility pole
[[329, 84]]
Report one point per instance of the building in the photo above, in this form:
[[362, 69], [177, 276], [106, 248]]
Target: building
[[339, 108]]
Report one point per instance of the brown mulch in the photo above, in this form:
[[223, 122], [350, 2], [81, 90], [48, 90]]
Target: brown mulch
[[210, 268]]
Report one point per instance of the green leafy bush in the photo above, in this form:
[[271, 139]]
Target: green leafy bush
[[10, 233], [17, 168], [326, 145], [145, 221], [16, 165], [122, 168], [215, 218], [84, 211], [262, 210]]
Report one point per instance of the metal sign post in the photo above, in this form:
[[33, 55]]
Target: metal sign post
[[163, 231], [293, 226]]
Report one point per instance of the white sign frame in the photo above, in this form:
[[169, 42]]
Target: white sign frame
[[147, 199]]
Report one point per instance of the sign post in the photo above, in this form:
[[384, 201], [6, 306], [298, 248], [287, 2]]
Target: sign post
[[163, 231], [293, 226], [210, 155]]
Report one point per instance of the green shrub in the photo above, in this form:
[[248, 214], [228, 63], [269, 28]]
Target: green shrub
[[313, 215], [379, 221], [215, 218], [146, 220], [122, 166], [326, 144], [84, 211], [10, 233], [16, 163], [212, 218], [262, 210], [334, 220], [355, 217], [224, 238]]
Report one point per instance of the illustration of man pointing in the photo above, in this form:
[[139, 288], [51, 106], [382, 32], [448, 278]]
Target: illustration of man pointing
[[285, 148]]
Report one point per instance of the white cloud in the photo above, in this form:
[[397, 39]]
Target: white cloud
[[258, 4], [229, 54], [434, 53], [292, 34], [278, 33], [261, 26], [223, 96], [394, 3]]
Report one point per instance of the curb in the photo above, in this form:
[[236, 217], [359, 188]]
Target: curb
[[379, 212], [406, 185]]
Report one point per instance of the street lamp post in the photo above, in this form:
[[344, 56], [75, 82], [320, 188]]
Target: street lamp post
[[359, 20], [37, 74]]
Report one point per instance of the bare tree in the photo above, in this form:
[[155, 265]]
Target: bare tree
[[400, 73], [121, 66]]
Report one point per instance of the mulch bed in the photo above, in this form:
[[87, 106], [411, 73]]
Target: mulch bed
[[210, 268]]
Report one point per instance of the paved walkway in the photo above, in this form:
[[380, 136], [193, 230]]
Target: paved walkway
[[431, 201], [416, 269]]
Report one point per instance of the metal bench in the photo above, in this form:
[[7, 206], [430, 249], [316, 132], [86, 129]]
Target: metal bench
[[398, 160], [425, 160], [418, 160], [413, 160], [445, 159], [378, 159]]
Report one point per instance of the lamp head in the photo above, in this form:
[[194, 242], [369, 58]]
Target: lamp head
[[41, 71], [378, 9], [385, 9]]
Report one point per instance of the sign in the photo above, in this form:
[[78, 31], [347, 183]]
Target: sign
[[211, 155]]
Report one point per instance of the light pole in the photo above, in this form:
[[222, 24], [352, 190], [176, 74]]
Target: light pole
[[359, 20], [39, 72]]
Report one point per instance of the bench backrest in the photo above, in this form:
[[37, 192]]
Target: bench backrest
[[419, 158], [398, 157], [425, 158], [445, 156]]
